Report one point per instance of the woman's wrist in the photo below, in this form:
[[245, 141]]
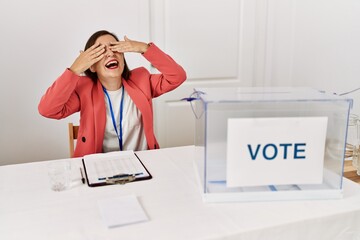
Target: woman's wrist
[[145, 47], [77, 72]]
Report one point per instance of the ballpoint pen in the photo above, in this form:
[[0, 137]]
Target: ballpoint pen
[[82, 176], [119, 176]]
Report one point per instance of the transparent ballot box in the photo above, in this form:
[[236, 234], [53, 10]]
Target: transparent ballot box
[[258, 144]]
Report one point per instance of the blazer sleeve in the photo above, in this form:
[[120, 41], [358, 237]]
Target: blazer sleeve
[[171, 74], [61, 99]]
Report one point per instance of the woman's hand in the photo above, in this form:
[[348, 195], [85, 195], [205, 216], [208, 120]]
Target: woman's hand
[[86, 59], [128, 46]]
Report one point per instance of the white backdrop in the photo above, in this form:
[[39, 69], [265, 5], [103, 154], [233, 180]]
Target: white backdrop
[[313, 43]]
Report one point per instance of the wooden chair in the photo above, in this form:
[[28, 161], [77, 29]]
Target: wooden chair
[[73, 134]]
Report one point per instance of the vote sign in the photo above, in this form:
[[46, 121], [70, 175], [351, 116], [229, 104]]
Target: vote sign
[[275, 151]]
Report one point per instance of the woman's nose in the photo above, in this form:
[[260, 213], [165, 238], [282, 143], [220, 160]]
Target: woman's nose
[[108, 52]]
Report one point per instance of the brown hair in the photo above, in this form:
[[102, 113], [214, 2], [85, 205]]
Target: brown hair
[[93, 75]]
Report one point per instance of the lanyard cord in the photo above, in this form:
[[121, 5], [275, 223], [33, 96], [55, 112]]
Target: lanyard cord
[[120, 133]]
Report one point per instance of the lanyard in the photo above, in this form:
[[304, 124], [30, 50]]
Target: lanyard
[[119, 134]]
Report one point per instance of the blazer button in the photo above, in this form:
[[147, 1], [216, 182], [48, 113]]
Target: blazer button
[[83, 139]]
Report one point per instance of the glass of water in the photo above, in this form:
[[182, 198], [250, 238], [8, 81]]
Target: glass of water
[[59, 175]]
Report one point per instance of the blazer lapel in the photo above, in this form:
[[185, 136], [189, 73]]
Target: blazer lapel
[[141, 102], [139, 99]]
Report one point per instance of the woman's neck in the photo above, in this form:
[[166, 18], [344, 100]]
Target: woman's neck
[[111, 85]]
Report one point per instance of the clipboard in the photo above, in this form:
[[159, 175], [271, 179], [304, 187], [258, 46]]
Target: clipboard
[[111, 168]]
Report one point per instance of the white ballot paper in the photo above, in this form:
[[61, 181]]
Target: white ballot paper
[[102, 166], [121, 211]]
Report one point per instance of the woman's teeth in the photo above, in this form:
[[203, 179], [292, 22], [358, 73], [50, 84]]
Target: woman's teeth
[[112, 64]]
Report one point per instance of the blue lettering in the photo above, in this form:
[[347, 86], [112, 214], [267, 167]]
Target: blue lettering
[[297, 150], [270, 151], [253, 157], [285, 145], [275, 151]]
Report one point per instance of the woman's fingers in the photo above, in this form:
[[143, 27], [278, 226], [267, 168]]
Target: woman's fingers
[[87, 58], [95, 51], [127, 45], [116, 46], [93, 47], [93, 54], [122, 46], [96, 59]]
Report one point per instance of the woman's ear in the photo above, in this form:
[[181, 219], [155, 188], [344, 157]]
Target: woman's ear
[[92, 69]]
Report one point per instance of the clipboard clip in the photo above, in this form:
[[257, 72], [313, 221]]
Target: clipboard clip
[[121, 180]]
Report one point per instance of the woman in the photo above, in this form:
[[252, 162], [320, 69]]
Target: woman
[[115, 103]]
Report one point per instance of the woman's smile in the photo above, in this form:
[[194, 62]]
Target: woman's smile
[[112, 64]]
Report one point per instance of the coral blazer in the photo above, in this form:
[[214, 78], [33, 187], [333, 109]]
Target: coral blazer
[[71, 93]]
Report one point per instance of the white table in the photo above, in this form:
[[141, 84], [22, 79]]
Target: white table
[[172, 201]]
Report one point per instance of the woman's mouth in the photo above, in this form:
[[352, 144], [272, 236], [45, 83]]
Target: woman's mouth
[[112, 64]]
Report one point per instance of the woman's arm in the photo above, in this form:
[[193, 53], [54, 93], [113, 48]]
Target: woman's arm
[[60, 99], [172, 74]]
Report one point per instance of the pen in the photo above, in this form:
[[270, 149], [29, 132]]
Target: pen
[[123, 175], [82, 176]]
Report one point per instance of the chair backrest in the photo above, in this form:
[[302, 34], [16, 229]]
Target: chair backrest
[[73, 134]]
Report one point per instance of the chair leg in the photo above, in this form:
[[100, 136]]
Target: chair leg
[[71, 139]]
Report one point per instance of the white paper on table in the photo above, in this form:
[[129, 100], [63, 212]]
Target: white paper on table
[[121, 211], [98, 166]]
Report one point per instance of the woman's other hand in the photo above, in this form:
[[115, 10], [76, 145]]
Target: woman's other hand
[[128, 46], [87, 58]]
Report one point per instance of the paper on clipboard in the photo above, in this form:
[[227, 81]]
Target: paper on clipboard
[[101, 166]]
